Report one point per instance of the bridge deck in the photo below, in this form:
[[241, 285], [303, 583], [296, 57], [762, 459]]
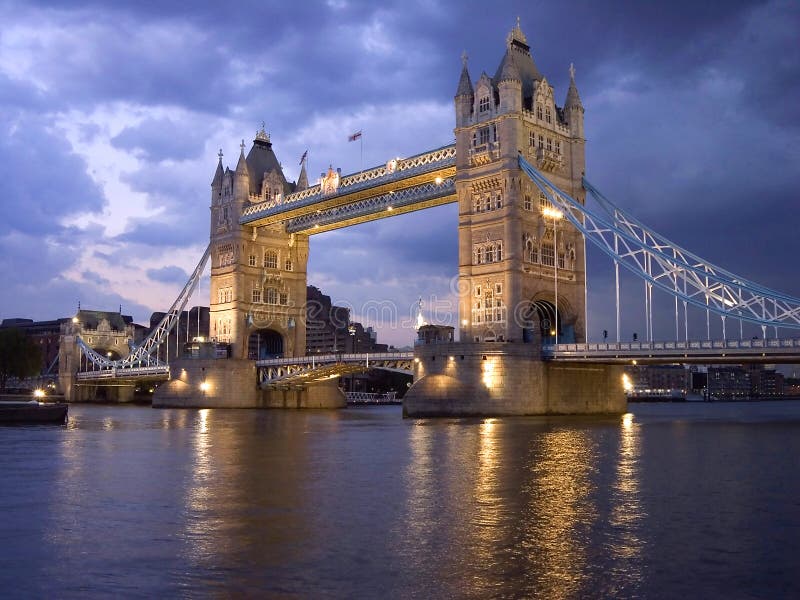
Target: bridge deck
[[698, 352]]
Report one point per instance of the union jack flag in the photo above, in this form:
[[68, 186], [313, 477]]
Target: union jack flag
[[354, 137]]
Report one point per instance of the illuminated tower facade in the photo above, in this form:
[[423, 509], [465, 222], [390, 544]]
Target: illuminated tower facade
[[517, 259]]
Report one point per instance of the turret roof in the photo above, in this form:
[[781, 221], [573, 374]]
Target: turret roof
[[261, 159], [517, 62], [573, 99], [465, 83]]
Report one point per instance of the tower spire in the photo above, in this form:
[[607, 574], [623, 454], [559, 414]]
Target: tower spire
[[573, 98], [464, 83]]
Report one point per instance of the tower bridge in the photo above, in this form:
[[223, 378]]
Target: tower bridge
[[517, 172]]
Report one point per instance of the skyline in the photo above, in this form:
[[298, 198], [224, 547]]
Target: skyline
[[113, 118]]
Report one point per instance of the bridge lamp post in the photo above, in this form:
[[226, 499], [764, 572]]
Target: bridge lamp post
[[556, 215], [352, 330]]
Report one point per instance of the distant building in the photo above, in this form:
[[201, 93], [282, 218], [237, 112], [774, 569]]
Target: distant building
[[435, 334], [728, 383], [657, 381], [330, 330], [45, 334], [191, 324]]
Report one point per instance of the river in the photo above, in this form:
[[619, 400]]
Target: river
[[684, 500]]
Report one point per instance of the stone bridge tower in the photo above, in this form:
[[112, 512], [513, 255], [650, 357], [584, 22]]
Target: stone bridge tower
[[108, 333], [258, 274], [512, 248]]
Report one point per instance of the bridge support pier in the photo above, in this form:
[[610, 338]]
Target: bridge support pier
[[498, 379], [232, 383], [323, 394]]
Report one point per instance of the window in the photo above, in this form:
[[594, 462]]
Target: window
[[271, 259], [288, 264], [527, 204], [478, 291], [543, 201], [271, 296], [499, 253], [498, 288], [483, 104], [483, 135], [541, 141], [531, 252], [558, 146], [490, 253], [548, 255], [531, 139], [547, 115], [252, 260], [283, 298], [538, 111], [477, 204], [487, 203], [256, 295], [498, 200], [560, 261], [549, 144]]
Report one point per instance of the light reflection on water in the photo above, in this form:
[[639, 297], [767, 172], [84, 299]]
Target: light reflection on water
[[360, 503]]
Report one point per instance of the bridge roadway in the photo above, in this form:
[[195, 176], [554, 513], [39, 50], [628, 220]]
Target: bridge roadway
[[696, 352], [285, 372], [402, 185]]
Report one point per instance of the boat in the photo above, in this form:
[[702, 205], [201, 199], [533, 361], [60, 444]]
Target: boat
[[33, 411]]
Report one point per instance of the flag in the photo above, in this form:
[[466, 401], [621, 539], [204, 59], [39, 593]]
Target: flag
[[302, 158], [354, 137]]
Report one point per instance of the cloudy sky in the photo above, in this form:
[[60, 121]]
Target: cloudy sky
[[112, 114]]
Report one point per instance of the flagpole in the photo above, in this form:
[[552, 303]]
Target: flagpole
[[361, 139]]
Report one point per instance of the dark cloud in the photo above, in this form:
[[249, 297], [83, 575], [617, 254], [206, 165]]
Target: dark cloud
[[161, 139], [169, 274], [95, 278], [691, 117], [43, 180]]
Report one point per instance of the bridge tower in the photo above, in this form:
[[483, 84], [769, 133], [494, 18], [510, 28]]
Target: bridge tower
[[258, 274], [515, 255]]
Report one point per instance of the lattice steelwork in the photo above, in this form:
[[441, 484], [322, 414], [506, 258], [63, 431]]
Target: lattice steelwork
[[141, 354], [280, 372], [382, 175], [354, 211], [669, 267]]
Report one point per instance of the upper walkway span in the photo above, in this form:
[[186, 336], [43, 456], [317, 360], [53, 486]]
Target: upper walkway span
[[401, 185]]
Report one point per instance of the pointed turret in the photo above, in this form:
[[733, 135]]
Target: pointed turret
[[302, 179], [241, 166], [573, 99], [464, 83], [465, 95], [573, 109], [217, 181], [241, 181]]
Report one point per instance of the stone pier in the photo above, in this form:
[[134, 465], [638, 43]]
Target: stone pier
[[233, 383], [499, 379]]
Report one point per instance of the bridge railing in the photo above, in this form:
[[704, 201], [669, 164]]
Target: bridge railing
[[124, 372], [338, 357], [672, 346]]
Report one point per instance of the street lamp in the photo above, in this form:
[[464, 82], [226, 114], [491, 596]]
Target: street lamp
[[352, 330], [556, 215]]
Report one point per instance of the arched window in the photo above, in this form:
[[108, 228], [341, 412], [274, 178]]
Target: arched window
[[547, 115], [499, 253], [538, 111], [490, 253], [483, 104], [477, 204], [498, 200]]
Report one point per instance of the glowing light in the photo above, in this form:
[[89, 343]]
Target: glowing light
[[451, 358], [552, 213], [627, 420], [487, 368], [75, 320], [438, 180], [416, 360], [464, 322], [627, 384], [389, 208], [38, 393], [205, 386], [634, 362]]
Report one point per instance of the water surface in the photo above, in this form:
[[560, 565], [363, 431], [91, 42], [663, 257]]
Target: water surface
[[694, 500]]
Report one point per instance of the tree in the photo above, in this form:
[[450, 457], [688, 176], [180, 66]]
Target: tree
[[19, 356]]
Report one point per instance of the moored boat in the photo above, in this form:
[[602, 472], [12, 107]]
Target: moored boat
[[33, 411]]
